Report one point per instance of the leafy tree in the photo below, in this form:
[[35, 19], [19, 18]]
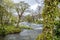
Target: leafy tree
[[3, 11], [20, 9], [7, 18]]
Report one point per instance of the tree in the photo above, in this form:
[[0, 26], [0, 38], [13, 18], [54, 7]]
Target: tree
[[3, 12], [5, 15], [20, 9], [28, 18], [48, 19]]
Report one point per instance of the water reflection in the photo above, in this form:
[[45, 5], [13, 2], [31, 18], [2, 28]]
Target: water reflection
[[25, 34]]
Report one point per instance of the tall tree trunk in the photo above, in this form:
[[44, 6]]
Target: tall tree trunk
[[19, 18], [48, 19], [18, 21]]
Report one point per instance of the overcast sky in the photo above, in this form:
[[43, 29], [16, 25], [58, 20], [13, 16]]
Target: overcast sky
[[33, 3]]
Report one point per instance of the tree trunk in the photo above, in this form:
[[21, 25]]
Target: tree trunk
[[18, 21], [19, 17], [48, 19]]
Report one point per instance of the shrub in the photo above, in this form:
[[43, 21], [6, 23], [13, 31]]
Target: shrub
[[57, 30], [12, 29]]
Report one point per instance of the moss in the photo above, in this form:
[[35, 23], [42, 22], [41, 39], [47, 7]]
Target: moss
[[12, 30], [48, 19], [25, 27]]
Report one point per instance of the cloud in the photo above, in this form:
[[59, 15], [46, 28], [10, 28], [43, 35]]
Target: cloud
[[33, 6]]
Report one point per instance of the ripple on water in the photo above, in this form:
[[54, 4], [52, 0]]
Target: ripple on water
[[25, 34]]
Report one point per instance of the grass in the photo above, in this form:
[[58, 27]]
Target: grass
[[25, 27], [10, 29]]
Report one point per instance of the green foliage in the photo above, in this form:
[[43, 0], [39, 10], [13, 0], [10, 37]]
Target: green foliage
[[6, 20], [40, 37], [8, 4], [29, 18], [57, 30], [12, 29], [25, 27], [20, 9], [48, 14], [38, 21], [3, 18], [56, 38]]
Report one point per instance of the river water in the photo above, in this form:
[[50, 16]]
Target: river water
[[25, 34]]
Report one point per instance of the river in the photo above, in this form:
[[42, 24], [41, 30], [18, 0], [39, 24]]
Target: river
[[25, 34]]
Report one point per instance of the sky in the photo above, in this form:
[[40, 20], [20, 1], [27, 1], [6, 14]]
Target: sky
[[33, 3]]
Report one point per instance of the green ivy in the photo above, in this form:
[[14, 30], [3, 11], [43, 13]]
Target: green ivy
[[48, 19]]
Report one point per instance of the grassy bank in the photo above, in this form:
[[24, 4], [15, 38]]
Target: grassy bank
[[9, 30], [12, 29]]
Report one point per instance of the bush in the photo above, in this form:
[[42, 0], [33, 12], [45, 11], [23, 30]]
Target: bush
[[40, 37], [25, 27], [37, 21], [11, 30], [57, 30]]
